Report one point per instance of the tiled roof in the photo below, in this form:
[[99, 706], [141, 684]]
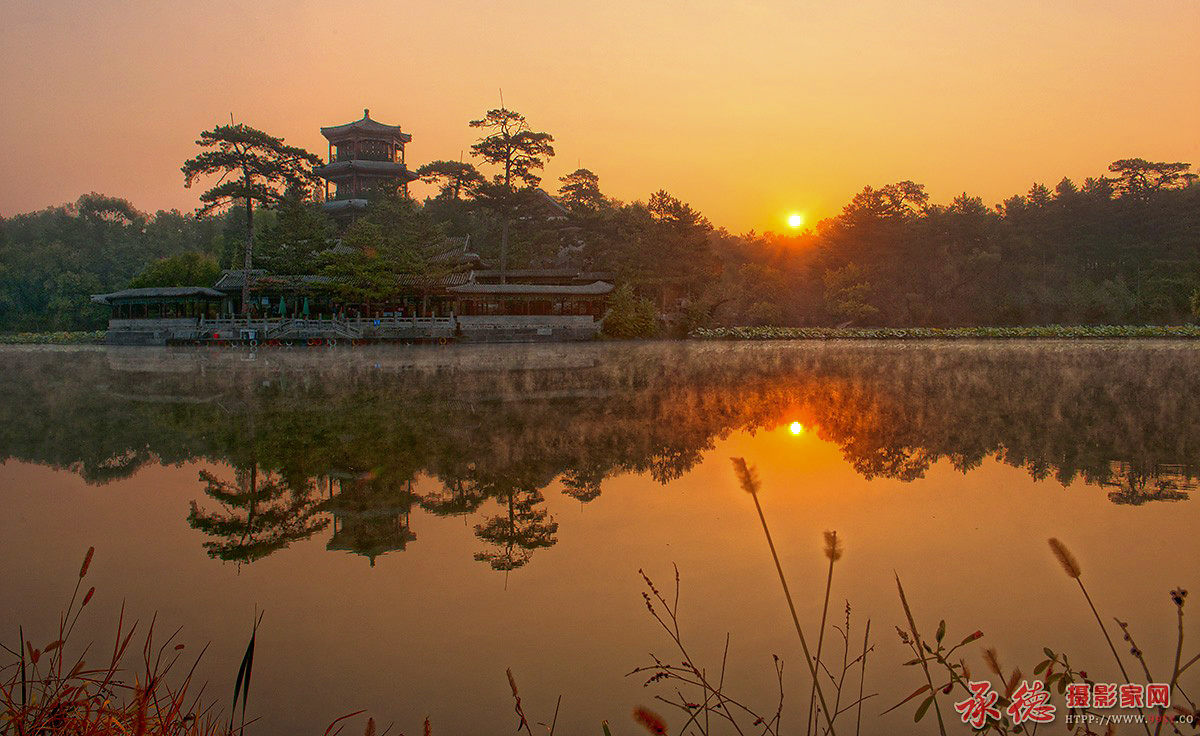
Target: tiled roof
[[366, 125], [427, 282], [597, 288], [156, 292], [232, 279]]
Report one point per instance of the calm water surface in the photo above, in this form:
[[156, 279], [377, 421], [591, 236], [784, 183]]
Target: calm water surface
[[414, 521]]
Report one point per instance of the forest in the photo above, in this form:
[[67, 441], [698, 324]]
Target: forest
[[1118, 249]]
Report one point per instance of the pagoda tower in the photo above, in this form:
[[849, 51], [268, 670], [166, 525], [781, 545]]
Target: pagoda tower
[[364, 156]]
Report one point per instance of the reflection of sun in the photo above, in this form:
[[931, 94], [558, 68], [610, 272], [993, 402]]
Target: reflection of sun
[[795, 219], [796, 427]]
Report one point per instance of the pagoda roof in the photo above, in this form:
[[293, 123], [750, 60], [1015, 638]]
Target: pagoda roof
[[597, 288], [233, 279], [365, 166], [157, 292], [365, 125], [339, 205], [563, 275], [422, 281], [458, 254]]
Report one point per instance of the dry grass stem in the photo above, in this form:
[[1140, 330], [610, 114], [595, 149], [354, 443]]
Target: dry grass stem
[[748, 477]]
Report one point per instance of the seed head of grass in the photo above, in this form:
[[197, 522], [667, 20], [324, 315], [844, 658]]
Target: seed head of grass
[[653, 722], [1011, 686], [992, 661], [833, 548], [87, 561], [1069, 564], [746, 474]]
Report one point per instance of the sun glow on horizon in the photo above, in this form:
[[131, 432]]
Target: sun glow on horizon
[[795, 220]]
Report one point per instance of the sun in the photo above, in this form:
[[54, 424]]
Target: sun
[[796, 427], [795, 219]]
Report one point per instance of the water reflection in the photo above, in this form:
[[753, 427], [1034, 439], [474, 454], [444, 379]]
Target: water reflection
[[259, 514], [306, 440]]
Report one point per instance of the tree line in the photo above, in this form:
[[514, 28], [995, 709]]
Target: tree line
[[1117, 249]]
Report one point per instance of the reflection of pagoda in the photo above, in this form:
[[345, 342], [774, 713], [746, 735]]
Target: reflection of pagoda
[[370, 518], [364, 156]]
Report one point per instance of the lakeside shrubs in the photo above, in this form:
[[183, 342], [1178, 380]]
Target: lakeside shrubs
[[629, 315], [947, 333], [52, 338]]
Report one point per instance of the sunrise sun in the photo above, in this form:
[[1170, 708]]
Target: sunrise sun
[[795, 219]]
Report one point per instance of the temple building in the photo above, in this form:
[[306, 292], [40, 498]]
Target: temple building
[[455, 306], [364, 156], [456, 297]]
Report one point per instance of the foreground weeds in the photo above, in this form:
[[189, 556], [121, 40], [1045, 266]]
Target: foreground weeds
[[46, 690], [150, 689], [57, 689], [948, 697]]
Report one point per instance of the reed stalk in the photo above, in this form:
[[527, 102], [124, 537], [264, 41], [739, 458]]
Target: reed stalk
[[1178, 654], [833, 551], [1071, 567], [748, 478], [862, 678]]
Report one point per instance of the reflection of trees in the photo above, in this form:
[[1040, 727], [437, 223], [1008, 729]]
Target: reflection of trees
[[503, 423], [258, 515], [456, 497], [583, 484], [517, 531]]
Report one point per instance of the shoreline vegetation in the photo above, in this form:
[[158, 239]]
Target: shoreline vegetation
[[838, 687], [1045, 332], [76, 337], [1051, 332]]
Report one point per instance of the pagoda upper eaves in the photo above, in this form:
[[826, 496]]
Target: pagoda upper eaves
[[365, 126]]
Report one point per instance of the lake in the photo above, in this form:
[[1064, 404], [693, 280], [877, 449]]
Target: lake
[[415, 521]]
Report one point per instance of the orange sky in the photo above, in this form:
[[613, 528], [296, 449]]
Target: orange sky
[[748, 110]]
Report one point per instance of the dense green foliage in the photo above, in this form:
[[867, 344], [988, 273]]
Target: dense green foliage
[[394, 237], [52, 261], [52, 338], [1123, 249], [629, 315], [1118, 250], [186, 269]]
